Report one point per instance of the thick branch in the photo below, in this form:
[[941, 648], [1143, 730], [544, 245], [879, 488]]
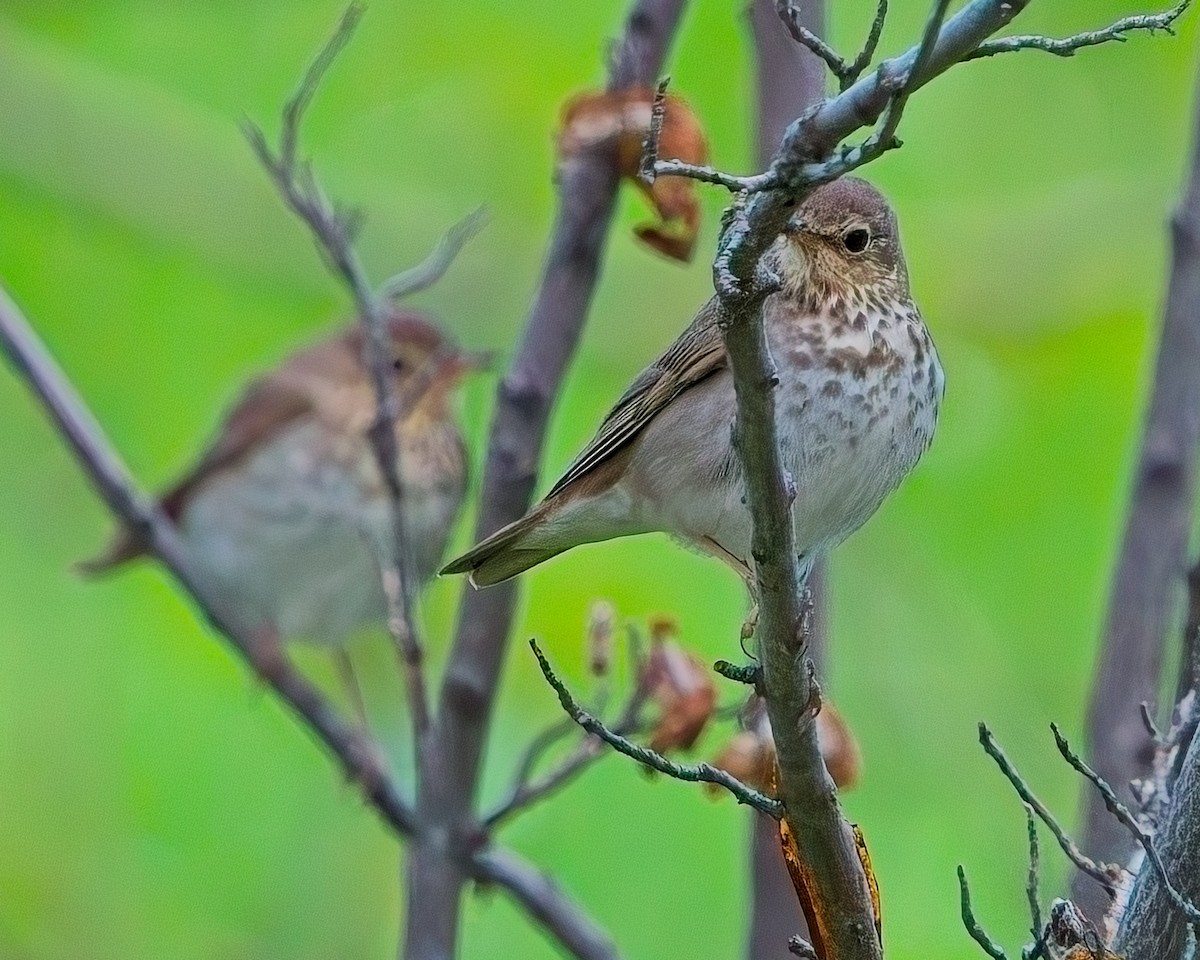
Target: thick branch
[[587, 188], [790, 79], [1153, 928], [1152, 565]]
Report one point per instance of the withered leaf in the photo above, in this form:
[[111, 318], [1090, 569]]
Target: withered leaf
[[622, 120], [682, 688]]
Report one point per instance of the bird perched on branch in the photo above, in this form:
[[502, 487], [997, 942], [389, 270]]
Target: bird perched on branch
[[286, 512], [859, 388]]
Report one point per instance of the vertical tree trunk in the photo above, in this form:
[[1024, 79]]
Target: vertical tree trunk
[[789, 78]]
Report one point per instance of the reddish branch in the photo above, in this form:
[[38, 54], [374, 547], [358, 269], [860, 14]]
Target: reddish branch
[[587, 189], [1152, 566]]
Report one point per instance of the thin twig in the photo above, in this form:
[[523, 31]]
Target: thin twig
[[1106, 875], [334, 231], [658, 113], [430, 270], [1114, 806], [867, 54], [1032, 882], [690, 773], [731, 182], [1067, 46], [789, 13], [990, 947]]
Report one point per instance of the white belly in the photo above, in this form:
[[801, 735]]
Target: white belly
[[292, 539]]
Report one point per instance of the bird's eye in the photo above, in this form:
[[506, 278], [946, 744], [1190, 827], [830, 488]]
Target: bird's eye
[[398, 365], [857, 240]]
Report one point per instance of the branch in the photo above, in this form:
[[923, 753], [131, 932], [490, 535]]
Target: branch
[[1107, 875], [92, 449], [1152, 927], [333, 230], [540, 897], [1153, 560], [690, 773], [429, 271], [1032, 880], [990, 947], [1067, 46], [1121, 813], [587, 189]]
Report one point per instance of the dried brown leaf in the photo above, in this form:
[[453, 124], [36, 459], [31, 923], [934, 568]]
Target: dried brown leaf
[[682, 688], [621, 121]]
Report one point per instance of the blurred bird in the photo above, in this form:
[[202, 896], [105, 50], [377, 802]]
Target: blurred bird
[[859, 388], [286, 513]]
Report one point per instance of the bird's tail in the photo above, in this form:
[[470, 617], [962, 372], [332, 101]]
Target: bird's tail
[[506, 553], [121, 549]]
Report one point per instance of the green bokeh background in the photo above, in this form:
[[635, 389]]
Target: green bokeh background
[[155, 803]]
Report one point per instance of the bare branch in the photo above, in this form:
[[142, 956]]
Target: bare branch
[[434, 266], [1067, 46], [690, 773], [1106, 875], [540, 897], [789, 13], [587, 190], [867, 54], [1129, 822], [333, 231], [989, 946], [1153, 559], [648, 170], [1032, 881], [357, 756], [731, 182]]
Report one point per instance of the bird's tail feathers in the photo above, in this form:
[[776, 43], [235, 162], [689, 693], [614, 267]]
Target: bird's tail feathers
[[504, 554]]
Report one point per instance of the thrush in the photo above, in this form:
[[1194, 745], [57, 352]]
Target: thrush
[[859, 388], [286, 513]]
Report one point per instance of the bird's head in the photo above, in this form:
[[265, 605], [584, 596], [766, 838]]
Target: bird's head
[[427, 366], [843, 242]]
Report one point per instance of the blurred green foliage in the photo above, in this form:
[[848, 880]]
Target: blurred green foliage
[[154, 803]]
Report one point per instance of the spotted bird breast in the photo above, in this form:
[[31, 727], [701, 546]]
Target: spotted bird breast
[[860, 387]]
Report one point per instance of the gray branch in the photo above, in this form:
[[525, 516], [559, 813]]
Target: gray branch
[[1067, 46], [587, 189], [1152, 927], [333, 230], [1152, 566], [687, 772], [357, 756], [789, 80]]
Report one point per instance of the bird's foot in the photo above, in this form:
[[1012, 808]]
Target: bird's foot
[[750, 624]]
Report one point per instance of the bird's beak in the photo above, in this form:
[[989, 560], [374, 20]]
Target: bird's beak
[[465, 362]]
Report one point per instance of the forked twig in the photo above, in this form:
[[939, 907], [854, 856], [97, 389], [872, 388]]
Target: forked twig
[[691, 773]]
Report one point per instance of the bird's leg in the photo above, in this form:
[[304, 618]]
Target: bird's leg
[[350, 681], [742, 569]]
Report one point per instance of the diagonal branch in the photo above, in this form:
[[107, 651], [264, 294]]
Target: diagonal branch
[[690, 773], [357, 756], [1107, 875], [1127, 820], [1067, 46], [986, 943]]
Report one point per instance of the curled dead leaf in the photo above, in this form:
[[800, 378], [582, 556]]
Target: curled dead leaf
[[840, 750], [682, 688], [622, 119]]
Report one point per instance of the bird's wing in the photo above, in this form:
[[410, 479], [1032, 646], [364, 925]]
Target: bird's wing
[[266, 407], [698, 353]]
